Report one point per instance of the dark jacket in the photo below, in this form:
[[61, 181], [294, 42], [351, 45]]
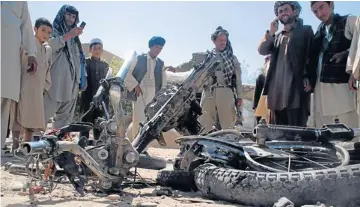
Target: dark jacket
[[96, 70], [260, 80], [331, 72], [298, 53]]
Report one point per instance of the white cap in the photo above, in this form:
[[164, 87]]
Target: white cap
[[96, 41]]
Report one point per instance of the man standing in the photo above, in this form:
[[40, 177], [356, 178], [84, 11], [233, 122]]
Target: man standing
[[68, 59], [259, 100], [145, 77], [96, 69], [332, 97], [217, 98], [287, 85], [352, 32], [16, 32]]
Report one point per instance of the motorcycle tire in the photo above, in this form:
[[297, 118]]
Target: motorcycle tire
[[334, 186], [151, 162], [176, 179]]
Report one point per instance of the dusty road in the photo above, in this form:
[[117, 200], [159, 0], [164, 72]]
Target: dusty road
[[64, 194]]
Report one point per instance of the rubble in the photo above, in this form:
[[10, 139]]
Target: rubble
[[283, 202]]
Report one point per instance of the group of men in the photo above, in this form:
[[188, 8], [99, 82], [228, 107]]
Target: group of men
[[325, 63], [145, 77], [55, 52]]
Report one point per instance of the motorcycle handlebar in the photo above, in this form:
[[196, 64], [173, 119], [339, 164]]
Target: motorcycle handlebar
[[330, 132]]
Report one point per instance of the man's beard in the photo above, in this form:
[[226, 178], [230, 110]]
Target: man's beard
[[68, 28], [290, 20]]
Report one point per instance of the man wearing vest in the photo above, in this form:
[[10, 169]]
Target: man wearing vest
[[145, 77], [333, 98]]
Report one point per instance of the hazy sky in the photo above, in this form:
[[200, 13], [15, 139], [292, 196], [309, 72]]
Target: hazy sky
[[186, 26]]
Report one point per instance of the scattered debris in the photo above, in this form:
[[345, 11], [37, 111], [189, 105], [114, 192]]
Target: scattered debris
[[36, 189], [318, 204], [146, 204], [160, 191], [114, 197], [283, 202], [17, 186], [194, 200]]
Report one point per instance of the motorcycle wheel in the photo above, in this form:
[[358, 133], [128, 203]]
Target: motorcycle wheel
[[151, 162], [265, 188], [305, 159], [176, 179]]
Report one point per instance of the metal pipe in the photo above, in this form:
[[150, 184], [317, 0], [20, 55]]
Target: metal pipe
[[225, 131], [33, 148], [66, 146], [105, 110]]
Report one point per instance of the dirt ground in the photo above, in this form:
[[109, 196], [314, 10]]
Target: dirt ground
[[65, 195]]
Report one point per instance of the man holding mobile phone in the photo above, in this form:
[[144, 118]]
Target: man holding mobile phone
[[66, 70], [16, 33], [289, 81]]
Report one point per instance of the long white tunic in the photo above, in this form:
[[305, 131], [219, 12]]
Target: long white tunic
[[353, 61], [16, 32], [333, 100], [147, 86]]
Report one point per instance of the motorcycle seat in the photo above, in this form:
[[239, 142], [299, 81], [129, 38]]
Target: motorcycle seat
[[76, 127]]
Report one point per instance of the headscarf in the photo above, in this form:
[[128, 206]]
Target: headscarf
[[156, 40], [294, 4], [60, 29], [227, 55]]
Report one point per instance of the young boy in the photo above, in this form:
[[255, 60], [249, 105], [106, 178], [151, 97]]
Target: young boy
[[28, 113], [96, 69]]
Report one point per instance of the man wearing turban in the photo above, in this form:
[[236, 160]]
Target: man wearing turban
[[217, 100], [145, 77], [333, 99], [288, 82]]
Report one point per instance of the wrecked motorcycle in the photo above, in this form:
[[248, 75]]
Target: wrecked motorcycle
[[113, 155], [107, 158], [302, 164]]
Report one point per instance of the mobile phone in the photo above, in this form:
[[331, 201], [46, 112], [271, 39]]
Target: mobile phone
[[82, 25]]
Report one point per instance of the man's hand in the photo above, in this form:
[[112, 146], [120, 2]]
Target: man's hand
[[307, 85], [85, 86], [338, 57], [274, 26], [352, 83], [138, 91], [76, 31], [170, 68], [239, 101], [32, 63]]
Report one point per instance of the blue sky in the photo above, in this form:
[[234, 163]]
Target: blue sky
[[186, 26]]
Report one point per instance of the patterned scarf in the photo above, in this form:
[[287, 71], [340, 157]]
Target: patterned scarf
[[60, 29], [227, 55]]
